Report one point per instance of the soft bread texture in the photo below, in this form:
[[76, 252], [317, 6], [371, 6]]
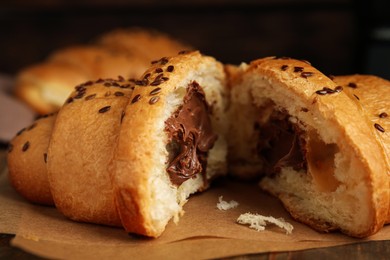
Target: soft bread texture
[[346, 183], [372, 94], [81, 146], [27, 157], [45, 86], [145, 197]]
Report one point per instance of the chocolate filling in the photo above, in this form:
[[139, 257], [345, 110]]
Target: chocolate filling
[[190, 136], [281, 144]]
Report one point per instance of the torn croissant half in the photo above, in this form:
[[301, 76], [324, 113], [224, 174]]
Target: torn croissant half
[[318, 150], [131, 153]]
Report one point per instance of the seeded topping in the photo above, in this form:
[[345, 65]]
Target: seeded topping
[[379, 127], [141, 82], [147, 75], [120, 78], [352, 85], [99, 81], [79, 95], [356, 97], [298, 69], [32, 126], [306, 61], [20, 131], [154, 61], [154, 100], [155, 91], [122, 115], [331, 77], [69, 100], [326, 90], [170, 68], [284, 67], [136, 98], [104, 109], [108, 93], [10, 147], [107, 84], [159, 70], [90, 97], [25, 146], [45, 157], [383, 115], [119, 94], [338, 89], [183, 52], [306, 74], [304, 109], [163, 61]]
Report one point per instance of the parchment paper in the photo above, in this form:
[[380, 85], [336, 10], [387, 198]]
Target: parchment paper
[[203, 231]]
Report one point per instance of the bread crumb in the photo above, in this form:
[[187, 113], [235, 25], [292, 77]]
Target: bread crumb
[[258, 222], [224, 205]]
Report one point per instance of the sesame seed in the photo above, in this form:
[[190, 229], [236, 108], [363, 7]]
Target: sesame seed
[[298, 69], [306, 61], [26, 146], [163, 60], [90, 97], [122, 115], [356, 97], [379, 127], [383, 115], [115, 84], [331, 77], [159, 70], [170, 68], [20, 131], [107, 84], [338, 89], [154, 61], [304, 109], [147, 75], [183, 52], [306, 74], [119, 94], [107, 94], [136, 98], [45, 157], [120, 78], [104, 109], [79, 95], [88, 83], [155, 91], [321, 92], [32, 126], [154, 100], [284, 67], [99, 81], [352, 85], [69, 100]]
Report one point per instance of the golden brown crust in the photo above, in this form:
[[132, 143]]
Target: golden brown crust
[[149, 44], [45, 86], [371, 93], [303, 83], [141, 156], [81, 146], [27, 157]]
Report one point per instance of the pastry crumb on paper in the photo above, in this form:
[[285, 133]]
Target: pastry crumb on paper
[[259, 222], [224, 205]]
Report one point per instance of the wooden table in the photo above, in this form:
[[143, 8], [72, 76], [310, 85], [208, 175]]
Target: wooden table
[[365, 250]]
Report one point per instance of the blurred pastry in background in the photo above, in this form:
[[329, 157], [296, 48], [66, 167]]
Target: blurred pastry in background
[[125, 52]]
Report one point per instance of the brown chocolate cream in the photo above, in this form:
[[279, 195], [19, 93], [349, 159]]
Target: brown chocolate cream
[[281, 144], [190, 136]]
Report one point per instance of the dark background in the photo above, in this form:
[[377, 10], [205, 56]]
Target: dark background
[[336, 36]]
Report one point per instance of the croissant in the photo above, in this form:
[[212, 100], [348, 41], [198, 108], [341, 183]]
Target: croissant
[[315, 143], [130, 153], [126, 52]]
